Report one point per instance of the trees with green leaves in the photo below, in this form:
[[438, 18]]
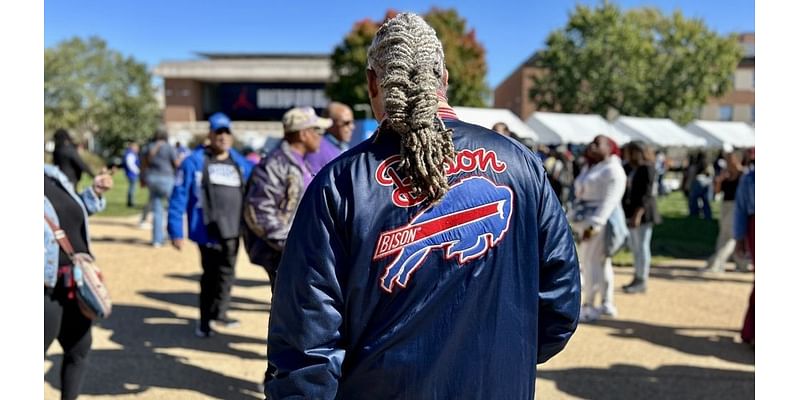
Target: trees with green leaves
[[637, 62], [91, 88], [464, 56]]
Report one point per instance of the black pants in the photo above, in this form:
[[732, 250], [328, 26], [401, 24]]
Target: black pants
[[218, 262], [63, 320]]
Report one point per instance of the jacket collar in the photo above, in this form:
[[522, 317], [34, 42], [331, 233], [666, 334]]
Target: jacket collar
[[286, 149]]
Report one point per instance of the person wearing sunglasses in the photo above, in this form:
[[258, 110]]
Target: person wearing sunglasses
[[336, 139], [209, 187]]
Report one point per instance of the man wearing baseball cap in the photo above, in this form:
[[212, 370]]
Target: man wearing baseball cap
[[209, 187], [277, 185]]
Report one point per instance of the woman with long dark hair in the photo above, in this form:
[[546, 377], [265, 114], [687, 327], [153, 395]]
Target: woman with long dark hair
[[67, 159]]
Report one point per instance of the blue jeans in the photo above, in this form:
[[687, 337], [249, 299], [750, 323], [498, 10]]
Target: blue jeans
[[640, 246], [160, 187], [702, 193], [132, 182]]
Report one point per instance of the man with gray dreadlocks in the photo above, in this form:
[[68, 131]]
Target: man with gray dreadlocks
[[431, 261]]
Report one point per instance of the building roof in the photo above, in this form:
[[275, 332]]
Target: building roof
[[250, 67], [265, 56]]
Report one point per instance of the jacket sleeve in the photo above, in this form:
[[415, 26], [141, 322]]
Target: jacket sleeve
[[305, 353], [559, 279], [245, 167], [178, 200], [92, 202], [130, 162], [740, 208], [263, 197]]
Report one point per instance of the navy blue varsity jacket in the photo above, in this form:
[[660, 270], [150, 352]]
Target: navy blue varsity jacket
[[382, 296]]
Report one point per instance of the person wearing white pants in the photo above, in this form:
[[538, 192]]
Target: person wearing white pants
[[726, 183], [598, 276], [598, 191]]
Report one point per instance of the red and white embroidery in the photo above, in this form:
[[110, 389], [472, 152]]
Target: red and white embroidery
[[466, 160]]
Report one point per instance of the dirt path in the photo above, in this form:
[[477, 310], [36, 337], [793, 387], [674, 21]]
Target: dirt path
[[680, 340]]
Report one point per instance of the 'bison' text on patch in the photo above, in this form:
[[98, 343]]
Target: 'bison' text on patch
[[466, 160]]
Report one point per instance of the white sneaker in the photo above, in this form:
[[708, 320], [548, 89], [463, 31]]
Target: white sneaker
[[608, 310], [588, 313], [145, 225]]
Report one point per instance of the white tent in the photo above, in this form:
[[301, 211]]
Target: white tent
[[718, 133], [487, 117], [562, 128], [660, 132]]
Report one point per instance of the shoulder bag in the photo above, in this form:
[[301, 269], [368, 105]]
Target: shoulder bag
[[94, 300]]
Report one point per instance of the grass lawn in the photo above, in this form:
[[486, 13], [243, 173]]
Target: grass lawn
[[679, 236], [116, 198]]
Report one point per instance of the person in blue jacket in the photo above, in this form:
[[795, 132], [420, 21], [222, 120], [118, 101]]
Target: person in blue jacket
[[209, 187], [131, 166], [431, 261]]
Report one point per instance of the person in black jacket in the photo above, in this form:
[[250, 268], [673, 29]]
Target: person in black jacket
[[67, 159], [639, 203]]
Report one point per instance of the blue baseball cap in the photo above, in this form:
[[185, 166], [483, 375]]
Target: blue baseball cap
[[219, 121]]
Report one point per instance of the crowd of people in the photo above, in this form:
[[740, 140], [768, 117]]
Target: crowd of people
[[604, 182], [398, 249]]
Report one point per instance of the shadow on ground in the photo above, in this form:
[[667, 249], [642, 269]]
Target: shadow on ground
[[628, 382], [118, 222], [146, 334], [191, 299], [694, 275], [121, 240], [248, 283], [700, 341], [688, 274]]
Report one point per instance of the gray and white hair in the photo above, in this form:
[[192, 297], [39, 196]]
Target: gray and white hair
[[408, 61]]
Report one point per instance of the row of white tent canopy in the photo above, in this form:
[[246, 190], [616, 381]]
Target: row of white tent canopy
[[562, 128]]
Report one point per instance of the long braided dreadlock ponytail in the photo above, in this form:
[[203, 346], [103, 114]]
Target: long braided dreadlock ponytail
[[408, 61]]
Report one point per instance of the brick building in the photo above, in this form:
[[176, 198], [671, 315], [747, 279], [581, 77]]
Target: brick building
[[740, 103], [254, 90], [737, 105]]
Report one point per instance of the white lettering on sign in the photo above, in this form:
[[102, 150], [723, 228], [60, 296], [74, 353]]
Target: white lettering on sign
[[288, 98]]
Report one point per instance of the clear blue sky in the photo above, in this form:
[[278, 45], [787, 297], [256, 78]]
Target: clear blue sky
[[155, 31]]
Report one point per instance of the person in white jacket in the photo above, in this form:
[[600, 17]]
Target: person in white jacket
[[598, 191]]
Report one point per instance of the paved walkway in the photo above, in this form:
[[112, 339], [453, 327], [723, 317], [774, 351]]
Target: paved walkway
[[678, 341]]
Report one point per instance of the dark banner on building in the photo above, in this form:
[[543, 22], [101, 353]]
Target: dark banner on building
[[269, 101]]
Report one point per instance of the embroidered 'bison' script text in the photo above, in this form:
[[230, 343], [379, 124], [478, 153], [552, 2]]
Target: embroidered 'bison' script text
[[465, 161]]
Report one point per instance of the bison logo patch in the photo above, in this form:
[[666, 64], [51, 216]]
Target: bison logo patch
[[472, 217]]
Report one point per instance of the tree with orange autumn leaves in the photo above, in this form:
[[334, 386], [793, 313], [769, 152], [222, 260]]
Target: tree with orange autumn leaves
[[464, 57]]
